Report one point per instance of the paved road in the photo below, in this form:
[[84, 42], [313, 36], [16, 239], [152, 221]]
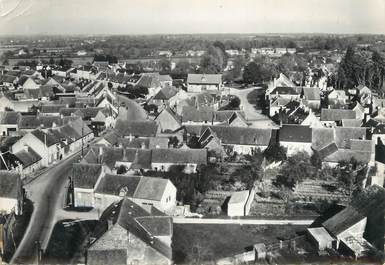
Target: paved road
[[254, 117], [47, 193], [131, 109], [181, 220]]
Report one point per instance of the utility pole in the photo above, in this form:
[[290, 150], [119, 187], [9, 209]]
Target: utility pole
[[82, 136], [38, 252]]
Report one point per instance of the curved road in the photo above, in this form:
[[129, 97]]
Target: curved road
[[130, 110], [47, 192]]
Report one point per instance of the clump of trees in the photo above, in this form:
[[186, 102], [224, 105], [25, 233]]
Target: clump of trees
[[275, 153], [361, 67], [295, 169], [214, 60]]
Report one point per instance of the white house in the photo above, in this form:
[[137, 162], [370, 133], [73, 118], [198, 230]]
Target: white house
[[11, 196], [296, 138], [144, 191], [198, 83]]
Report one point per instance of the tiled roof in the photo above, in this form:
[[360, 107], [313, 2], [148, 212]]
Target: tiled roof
[[53, 108], [351, 122], [165, 93], [178, 156], [343, 135], [337, 114], [9, 117], [46, 138], [150, 188], [295, 133], [9, 184], [85, 175], [284, 90], [241, 135], [370, 202], [204, 79], [114, 184], [347, 155], [311, 93], [322, 137], [138, 128], [27, 158]]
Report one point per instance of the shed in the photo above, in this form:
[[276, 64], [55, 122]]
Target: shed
[[237, 203], [320, 238]]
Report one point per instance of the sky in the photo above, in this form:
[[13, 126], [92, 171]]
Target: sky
[[191, 16]]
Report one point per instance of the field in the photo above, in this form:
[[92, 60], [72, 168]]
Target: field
[[208, 242]]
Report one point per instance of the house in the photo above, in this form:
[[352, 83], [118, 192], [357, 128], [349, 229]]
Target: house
[[311, 97], [137, 128], [197, 83], [29, 161], [190, 159], [45, 145], [319, 237], [51, 109], [359, 110], [144, 191], [133, 236], [84, 179], [331, 117], [165, 80], [349, 226], [27, 82], [312, 121], [296, 138], [54, 144], [9, 123], [7, 104], [203, 116], [240, 202], [168, 120], [9, 81], [11, 193], [162, 97], [338, 97], [226, 140], [282, 80], [291, 93]]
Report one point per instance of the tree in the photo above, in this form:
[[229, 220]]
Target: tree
[[275, 153], [260, 70], [165, 66], [181, 70], [213, 61], [295, 169], [194, 142], [350, 174], [121, 170], [251, 170], [173, 141]]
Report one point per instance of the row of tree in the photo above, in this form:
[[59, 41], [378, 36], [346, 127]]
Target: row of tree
[[361, 67]]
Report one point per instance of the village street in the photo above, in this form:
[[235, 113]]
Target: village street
[[253, 116], [130, 110], [256, 221], [48, 191], [47, 194]]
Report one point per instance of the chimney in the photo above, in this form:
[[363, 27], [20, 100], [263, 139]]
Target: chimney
[[131, 137], [143, 145], [26, 147]]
